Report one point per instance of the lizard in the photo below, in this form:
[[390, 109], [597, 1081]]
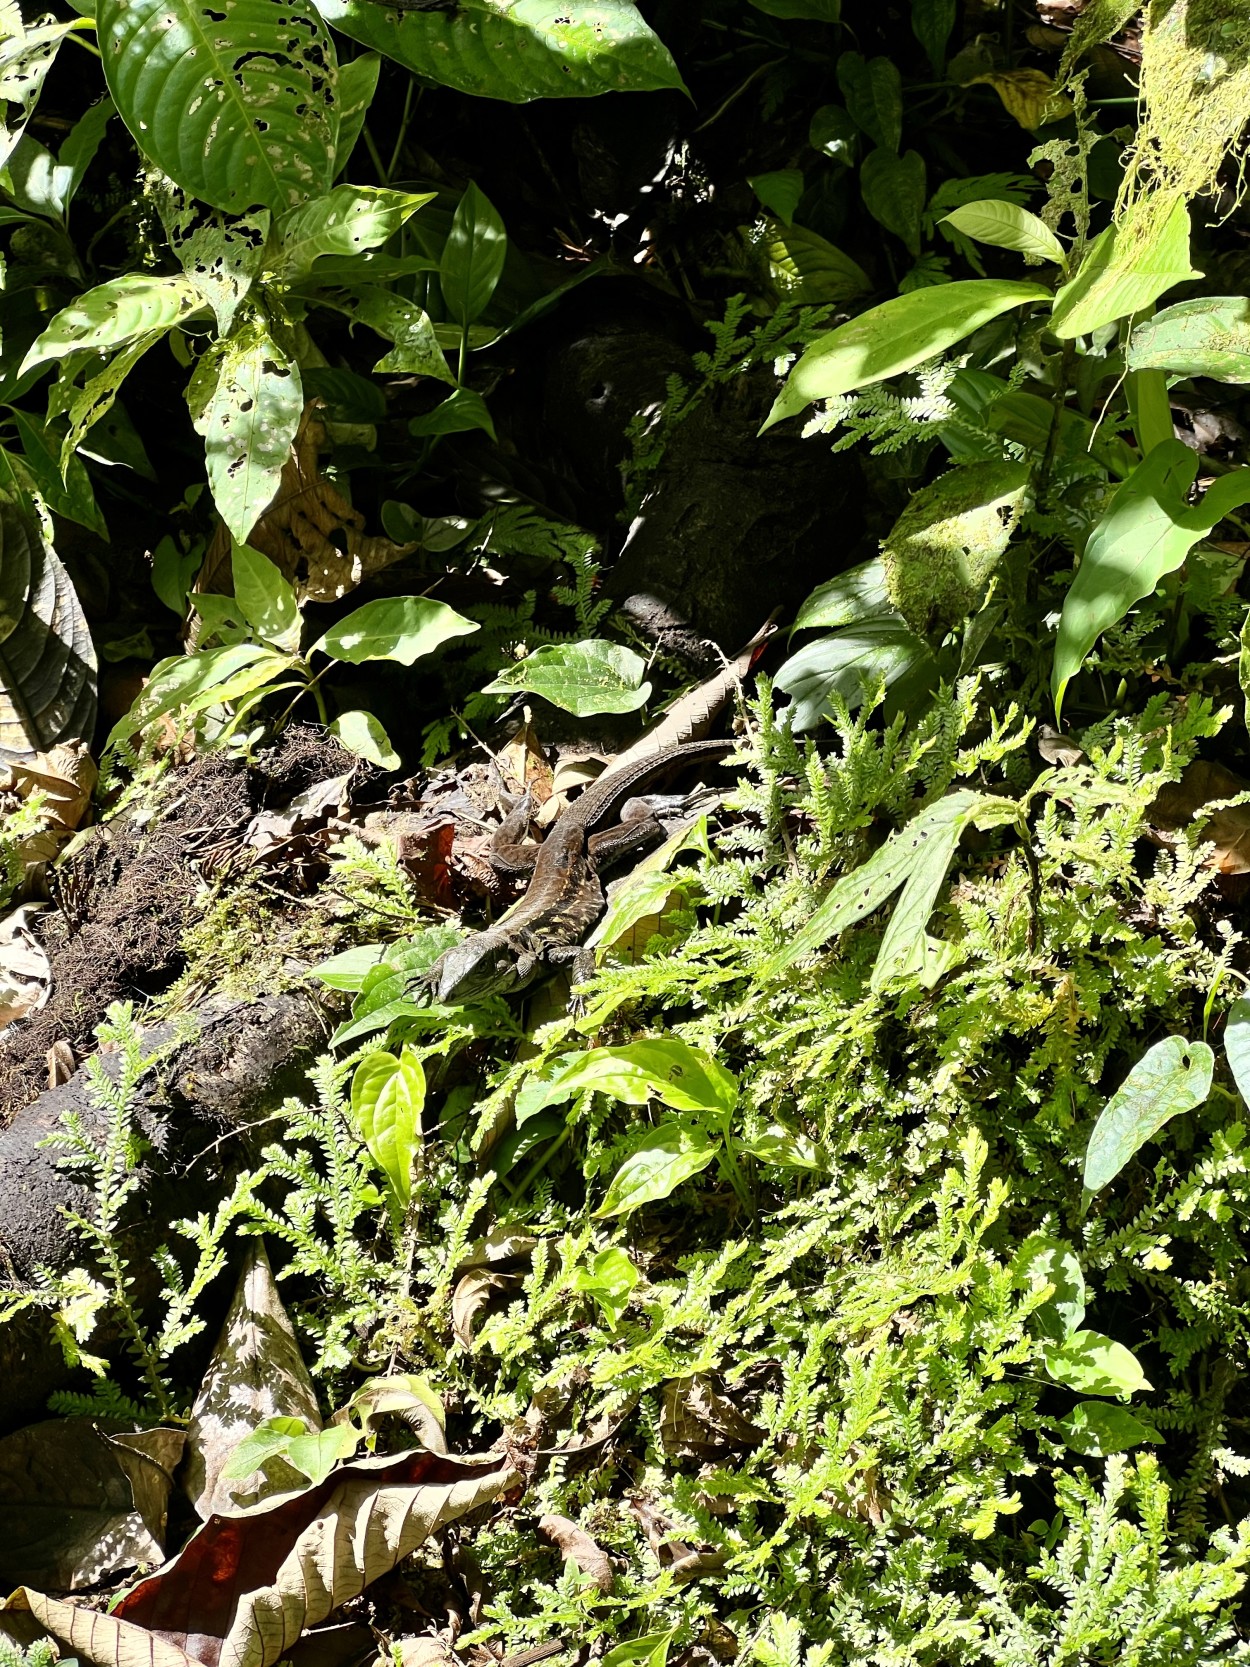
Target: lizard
[[565, 896]]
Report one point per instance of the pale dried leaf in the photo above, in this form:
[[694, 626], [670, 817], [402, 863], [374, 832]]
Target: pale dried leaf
[[696, 1419], [25, 971], [424, 1652], [1179, 805], [472, 1293], [578, 1546], [256, 1372], [65, 776]]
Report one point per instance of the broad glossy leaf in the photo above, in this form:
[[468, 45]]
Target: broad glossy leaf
[[349, 968], [1042, 1260], [1146, 532], [650, 1648], [779, 191], [399, 628], [345, 222], [459, 413], [884, 649], [833, 132], [181, 678], [806, 267], [668, 1156], [1126, 268], [238, 103], [897, 336], [473, 256], [1098, 1429], [114, 315], [873, 90], [388, 1097], [361, 733], [246, 400], [1007, 226], [1095, 1365], [658, 1068], [47, 660], [1171, 1077], [893, 189], [857, 594], [1237, 1045], [609, 1277], [528, 49], [358, 82], [266, 598], [782, 1150], [582, 678], [1209, 336]]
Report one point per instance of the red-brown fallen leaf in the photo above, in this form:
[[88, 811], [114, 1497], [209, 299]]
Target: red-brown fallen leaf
[[577, 1545], [247, 1586]]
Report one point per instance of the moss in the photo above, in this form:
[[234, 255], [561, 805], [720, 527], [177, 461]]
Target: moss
[[941, 553]]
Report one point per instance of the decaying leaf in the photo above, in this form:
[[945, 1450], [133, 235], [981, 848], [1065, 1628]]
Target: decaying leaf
[[77, 1505], [25, 971], [472, 1294], [47, 660], [247, 1586], [424, 1652], [578, 1546], [256, 1372], [696, 1419], [505, 1242], [1201, 796], [309, 531], [64, 778]]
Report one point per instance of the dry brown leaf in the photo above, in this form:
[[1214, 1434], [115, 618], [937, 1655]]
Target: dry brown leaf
[[247, 1586], [577, 1545], [25, 971], [424, 1652], [256, 1372], [309, 531], [696, 1419], [66, 777], [504, 1243], [523, 765], [471, 1295], [1179, 805]]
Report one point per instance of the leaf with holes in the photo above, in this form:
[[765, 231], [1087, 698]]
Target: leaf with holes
[[525, 50], [236, 100], [221, 255], [1172, 1077], [349, 220], [1209, 336], [113, 315], [246, 401], [25, 59], [47, 661], [87, 405], [416, 350]]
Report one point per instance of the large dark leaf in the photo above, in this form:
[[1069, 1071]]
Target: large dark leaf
[[47, 661]]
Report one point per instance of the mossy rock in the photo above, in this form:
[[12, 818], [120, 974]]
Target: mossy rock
[[941, 553]]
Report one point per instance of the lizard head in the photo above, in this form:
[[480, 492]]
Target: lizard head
[[471, 970]]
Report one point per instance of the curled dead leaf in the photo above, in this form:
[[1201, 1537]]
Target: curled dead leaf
[[1202, 797], [471, 1295], [25, 971], [697, 1420], [577, 1545]]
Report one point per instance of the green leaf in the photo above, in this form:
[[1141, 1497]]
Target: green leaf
[[581, 677], [893, 189], [361, 733], [651, 1647], [883, 649], [181, 678], [833, 132], [266, 598], [388, 1097], [783, 1150], [1237, 1045], [915, 858], [1095, 1365], [345, 222], [805, 267], [1042, 1260], [931, 23], [528, 49], [358, 83], [873, 90], [1125, 269], [1171, 1077], [473, 257], [347, 970], [779, 192], [818, 11], [660, 1068], [238, 105], [609, 1278], [268, 1439], [855, 595], [1097, 1430], [1146, 532], [1006, 226], [416, 351], [114, 315], [402, 628], [246, 400], [1209, 336], [70, 495], [85, 406], [221, 254], [897, 336], [671, 1154], [460, 412], [25, 59]]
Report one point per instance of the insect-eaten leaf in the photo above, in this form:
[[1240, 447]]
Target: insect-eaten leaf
[[1171, 1077], [583, 678]]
